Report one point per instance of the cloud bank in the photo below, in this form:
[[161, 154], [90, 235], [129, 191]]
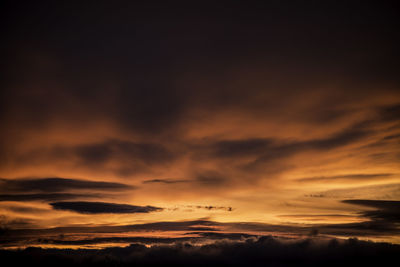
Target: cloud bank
[[265, 251]]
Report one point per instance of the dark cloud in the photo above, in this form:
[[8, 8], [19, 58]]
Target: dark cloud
[[193, 237], [193, 231], [23, 209], [264, 151], [240, 148], [125, 157], [368, 228], [147, 153], [268, 149], [346, 137], [54, 185], [142, 49], [45, 197], [102, 207], [102, 240], [211, 207], [156, 226], [381, 222], [7, 223], [386, 210], [117, 156], [258, 252], [390, 113], [54, 189], [350, 177], [166, 181], [372, 228], [224, 236], [211, 178], [12, 236], [392, 137]]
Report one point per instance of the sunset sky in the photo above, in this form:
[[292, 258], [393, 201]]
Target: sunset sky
[[127, 122]]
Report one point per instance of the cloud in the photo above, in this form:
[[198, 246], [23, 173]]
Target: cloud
[[240, 148], [268, 155], [271, 149], [392, 137], [102, 240], [211, 207], [379, 191], [390, 113], [102, 207], [116, 156], [54, 185], [198, 231], [233, 100], [192, 237], [211, 178], [348, 177], [16, 237], [166, 181], [257, 252], [55, 189], [386, 210], [146, 227], [148, 153], [7, 223], [224, 236], [45, 197], [25, 209]]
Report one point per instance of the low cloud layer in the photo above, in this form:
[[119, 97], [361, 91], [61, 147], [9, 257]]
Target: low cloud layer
[[197, 231], [259, 252]]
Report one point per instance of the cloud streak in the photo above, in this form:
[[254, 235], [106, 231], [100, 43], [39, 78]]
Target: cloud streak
[[347, 177], [45, 197], [165, 181], [102, 207], [55, 185]]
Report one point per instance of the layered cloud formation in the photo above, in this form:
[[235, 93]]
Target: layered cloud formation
[[132, 123]]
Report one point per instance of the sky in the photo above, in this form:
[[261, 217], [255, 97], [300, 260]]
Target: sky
[[127, 122]]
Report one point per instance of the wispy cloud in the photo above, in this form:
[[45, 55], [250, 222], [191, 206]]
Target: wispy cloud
[[347, 177], [166, 181]]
